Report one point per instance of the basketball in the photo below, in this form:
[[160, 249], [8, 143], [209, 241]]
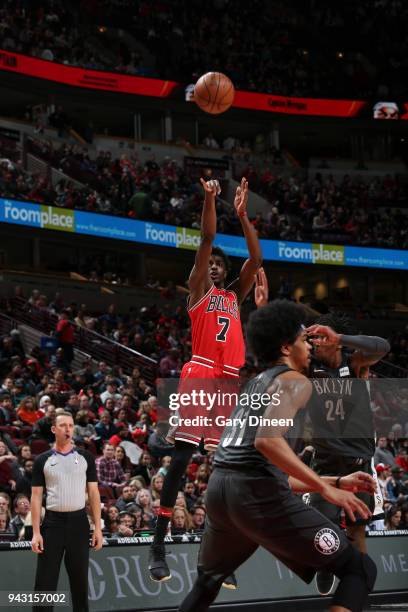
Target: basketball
[[214, 93]]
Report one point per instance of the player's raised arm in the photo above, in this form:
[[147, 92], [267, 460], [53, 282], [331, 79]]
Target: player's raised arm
[[254, 262], [199, 281], [368, 350]]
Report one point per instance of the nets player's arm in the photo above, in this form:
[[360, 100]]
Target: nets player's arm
[[368, 350], [243, 285], [358, 482], [199, 280], [294, 391]]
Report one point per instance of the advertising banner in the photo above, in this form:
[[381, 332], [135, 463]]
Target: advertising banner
[[82, 77], [119, 580], [43, 216], [143, 86]]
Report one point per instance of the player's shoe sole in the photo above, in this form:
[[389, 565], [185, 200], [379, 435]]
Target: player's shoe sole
[[230, 583], [325, 582], [158, 568]]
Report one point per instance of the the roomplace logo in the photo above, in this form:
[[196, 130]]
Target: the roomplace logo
[[46, 217], [313, 253], [180, 237]]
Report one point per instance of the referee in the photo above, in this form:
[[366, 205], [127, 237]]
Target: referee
[[65, 473]]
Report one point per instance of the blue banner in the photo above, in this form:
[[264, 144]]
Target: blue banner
[[106, 226]]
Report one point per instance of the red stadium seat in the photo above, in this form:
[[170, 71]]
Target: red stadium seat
[[11, 430], [106, 493], [39, 446]]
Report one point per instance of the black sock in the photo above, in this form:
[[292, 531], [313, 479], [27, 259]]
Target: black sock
[[161, 529], [173, 479]]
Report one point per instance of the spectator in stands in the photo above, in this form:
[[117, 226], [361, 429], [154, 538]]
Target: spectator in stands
[[21, 509], [393, 518], [157, 445], [23, 453], [180, 521], [127, 499], [384, 475], [124, 461], [65, 335], [382, 454], [43, 427], [109, 471], [144, 500], [397, 488], [5, 528], [7, 414], [9, 472], [210, 142], [198, 518], [126, 526], [171, 364], [84, 431], [144, 468], [164, 464], [111, 392], [104, 428], [156, 486], [5, 503], [189, 495], [24, 482], [402, 460]]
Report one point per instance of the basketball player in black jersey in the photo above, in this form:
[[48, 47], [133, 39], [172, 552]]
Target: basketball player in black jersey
[[340, 412], [250, 499]]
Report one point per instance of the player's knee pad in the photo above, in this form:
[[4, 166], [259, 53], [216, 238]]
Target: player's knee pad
[[357, 573]]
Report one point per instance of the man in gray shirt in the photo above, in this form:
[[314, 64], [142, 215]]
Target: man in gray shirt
[[382, 454]]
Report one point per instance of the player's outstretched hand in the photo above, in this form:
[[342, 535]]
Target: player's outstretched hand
[[241, 198], [212, 187], [261, 288], [322, 334], [359, 482], [351, 504]]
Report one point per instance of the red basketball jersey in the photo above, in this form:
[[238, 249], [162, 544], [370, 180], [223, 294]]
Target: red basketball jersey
[[216, 331]]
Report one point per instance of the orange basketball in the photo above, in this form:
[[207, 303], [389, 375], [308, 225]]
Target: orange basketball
[[214, 93]]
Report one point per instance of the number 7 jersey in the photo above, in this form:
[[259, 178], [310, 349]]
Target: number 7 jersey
[[216, 332]]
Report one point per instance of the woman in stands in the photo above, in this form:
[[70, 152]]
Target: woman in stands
[[23, 453], [393, 518], [120, 455], [180, 521], [144, 500], [27, 411], [157, 485]]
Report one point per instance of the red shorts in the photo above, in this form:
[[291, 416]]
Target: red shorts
[[209, 395]]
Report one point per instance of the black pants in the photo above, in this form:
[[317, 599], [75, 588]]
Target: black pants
[[65, 534], [245, 511]]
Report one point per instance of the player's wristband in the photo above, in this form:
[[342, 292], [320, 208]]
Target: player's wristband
[[243, 214], [338, 482]]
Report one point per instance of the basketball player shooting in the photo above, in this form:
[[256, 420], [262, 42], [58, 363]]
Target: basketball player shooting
[[218, 349]]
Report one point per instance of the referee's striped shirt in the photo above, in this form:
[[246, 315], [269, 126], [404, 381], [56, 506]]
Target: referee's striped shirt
[[64, 477]]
